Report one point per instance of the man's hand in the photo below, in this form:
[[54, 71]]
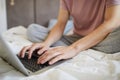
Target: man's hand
[[41, 46], [55, 54]]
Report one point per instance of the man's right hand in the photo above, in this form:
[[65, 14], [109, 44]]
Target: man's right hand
[[41, 46]]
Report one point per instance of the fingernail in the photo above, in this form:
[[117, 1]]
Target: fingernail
[[37, 62], [29, 57], [50, 63], [22, 56], [38, 52], [42, 62]]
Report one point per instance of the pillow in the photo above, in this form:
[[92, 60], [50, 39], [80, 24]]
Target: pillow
[[68, 27]]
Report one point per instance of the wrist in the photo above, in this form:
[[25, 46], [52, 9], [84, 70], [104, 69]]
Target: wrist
[[76, 48], [73, 49], [47, 43]]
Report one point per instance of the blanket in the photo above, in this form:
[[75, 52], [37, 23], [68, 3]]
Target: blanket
[[87, 65]]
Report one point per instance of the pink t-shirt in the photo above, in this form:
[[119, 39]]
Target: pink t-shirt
[[87, 14]]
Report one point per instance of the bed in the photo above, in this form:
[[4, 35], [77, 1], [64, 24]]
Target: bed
[[87, 65]]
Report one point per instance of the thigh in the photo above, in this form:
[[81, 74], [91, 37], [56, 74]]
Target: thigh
[[67, 40], [111, 44], [37, 33]]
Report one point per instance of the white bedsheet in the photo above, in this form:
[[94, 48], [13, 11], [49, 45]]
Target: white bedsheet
[[88, 65]]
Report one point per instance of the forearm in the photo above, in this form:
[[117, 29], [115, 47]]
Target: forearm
[[55, 34], [57, 31], [95, 37], [112, 18]]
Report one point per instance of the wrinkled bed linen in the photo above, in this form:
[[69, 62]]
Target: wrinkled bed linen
[[87, 65]]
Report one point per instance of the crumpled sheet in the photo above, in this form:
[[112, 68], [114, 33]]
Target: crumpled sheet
[[87, 65]]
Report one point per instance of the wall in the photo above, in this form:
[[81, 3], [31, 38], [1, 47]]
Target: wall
[[22, 13], [3, 21], [26, 12]]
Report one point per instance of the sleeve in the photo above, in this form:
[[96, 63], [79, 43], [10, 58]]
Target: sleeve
[[63, 5], [110, 3]]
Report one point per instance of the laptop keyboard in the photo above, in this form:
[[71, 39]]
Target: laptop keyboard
[[31, 64]]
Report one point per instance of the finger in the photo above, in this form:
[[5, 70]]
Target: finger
[[22, 53], [31, 51], [42, 50], [56, 59], [47, 56]]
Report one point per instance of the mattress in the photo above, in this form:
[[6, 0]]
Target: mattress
[[87, 65]]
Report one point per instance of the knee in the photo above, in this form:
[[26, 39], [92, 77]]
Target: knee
[[36, 28], [32, 27], [32, 31]]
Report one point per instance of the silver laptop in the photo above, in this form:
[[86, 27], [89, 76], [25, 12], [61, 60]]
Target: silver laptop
[[27, 67]]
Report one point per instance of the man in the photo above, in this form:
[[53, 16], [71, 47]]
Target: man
[[96, 25]]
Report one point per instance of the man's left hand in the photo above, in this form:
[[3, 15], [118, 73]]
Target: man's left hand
[[57, 53]]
